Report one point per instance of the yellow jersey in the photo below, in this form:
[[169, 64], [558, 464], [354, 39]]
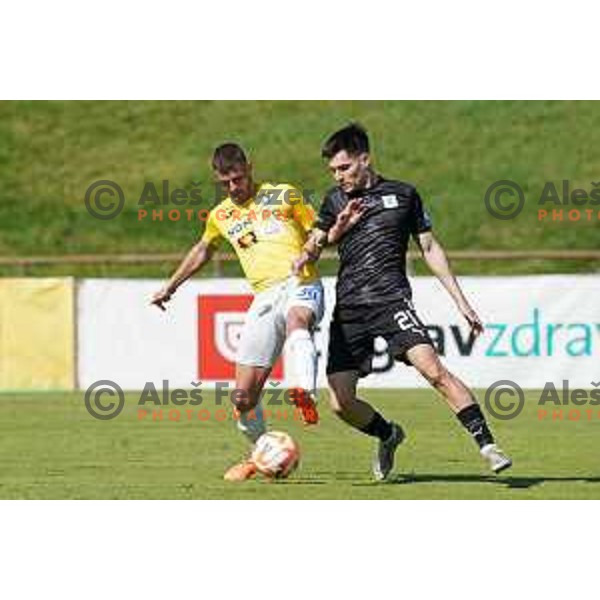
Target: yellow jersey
[[267, 233]]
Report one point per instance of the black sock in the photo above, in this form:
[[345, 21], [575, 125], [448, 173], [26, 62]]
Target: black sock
[[378, 427], [474, 422]]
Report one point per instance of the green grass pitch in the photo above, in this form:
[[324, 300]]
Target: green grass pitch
[[50, 447], [50, 152]]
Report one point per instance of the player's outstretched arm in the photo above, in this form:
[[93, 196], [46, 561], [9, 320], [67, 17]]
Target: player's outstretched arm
[[437, 261], [195, 259]]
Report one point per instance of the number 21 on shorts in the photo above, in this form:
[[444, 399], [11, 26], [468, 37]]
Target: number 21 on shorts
[[406, 319]]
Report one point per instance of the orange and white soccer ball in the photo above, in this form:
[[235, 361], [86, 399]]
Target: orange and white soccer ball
[[276, 454]]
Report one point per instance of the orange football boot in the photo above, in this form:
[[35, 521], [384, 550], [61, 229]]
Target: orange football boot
[[241, 472], [304, 401]]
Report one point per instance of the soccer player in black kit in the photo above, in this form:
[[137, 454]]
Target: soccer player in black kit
[[371, 219]]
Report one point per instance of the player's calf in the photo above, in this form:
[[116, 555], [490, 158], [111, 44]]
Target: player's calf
[[363, 417], [246, 400], [251, 422], [462, 401]]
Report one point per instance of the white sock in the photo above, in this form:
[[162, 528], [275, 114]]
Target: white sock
[[301, 362], [252, 423]]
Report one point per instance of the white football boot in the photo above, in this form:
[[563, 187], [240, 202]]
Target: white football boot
[[497, 460], [383, 461]]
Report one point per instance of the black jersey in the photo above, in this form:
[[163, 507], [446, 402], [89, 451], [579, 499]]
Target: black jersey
[[373, 253]]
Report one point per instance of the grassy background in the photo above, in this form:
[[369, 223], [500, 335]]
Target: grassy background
[[79, 457], [50, 152]]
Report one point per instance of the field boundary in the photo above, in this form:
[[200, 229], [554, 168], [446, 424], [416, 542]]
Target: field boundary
[[219, 258]]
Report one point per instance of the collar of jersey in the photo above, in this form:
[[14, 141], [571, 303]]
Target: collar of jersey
[[365, 191], [252, 198]]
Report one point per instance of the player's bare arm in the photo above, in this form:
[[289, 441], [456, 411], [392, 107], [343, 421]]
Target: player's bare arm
[[437, 261], [195, 259]]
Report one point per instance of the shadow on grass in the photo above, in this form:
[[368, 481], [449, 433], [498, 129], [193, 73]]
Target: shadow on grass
[[510, 482]]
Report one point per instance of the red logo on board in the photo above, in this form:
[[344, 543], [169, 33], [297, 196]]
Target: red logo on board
[[220, 322]]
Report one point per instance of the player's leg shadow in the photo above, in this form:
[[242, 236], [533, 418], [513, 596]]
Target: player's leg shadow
[[507, 481]]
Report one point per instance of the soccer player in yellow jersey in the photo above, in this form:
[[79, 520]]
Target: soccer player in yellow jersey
[[267, 225]]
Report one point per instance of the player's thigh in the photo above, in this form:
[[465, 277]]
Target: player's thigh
[[263, 334], [304, 305]]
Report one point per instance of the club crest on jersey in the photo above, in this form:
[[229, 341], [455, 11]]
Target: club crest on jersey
[[247, 240], [390, 201]]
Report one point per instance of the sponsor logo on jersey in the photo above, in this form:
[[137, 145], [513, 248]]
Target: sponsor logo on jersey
[[390, 201]]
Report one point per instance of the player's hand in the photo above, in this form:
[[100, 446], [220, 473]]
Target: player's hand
[[348, 217], [474, 321], [161, 298], [352, 213]]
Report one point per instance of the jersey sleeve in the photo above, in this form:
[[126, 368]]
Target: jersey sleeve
[[327, 216], [420, 221], [212, 234]]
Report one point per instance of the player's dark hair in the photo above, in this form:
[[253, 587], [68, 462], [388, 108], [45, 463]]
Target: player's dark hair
[[352, 138], [227, 156]]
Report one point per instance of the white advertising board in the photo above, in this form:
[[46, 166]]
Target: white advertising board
[[538, 329]]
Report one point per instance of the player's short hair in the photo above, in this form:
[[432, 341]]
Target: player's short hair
[[353, 139], [227, 156]]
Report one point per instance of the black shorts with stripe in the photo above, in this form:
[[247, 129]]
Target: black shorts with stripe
[[353, 332]]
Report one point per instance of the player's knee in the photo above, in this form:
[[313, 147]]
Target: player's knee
[[335, 405], [439, 377], [340, 398], [299, 317], [297, 322]]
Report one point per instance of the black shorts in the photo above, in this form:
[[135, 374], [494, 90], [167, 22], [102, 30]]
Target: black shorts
[[353, 332]]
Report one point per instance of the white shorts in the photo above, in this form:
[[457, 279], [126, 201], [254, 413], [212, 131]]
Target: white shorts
[[263, 334]]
